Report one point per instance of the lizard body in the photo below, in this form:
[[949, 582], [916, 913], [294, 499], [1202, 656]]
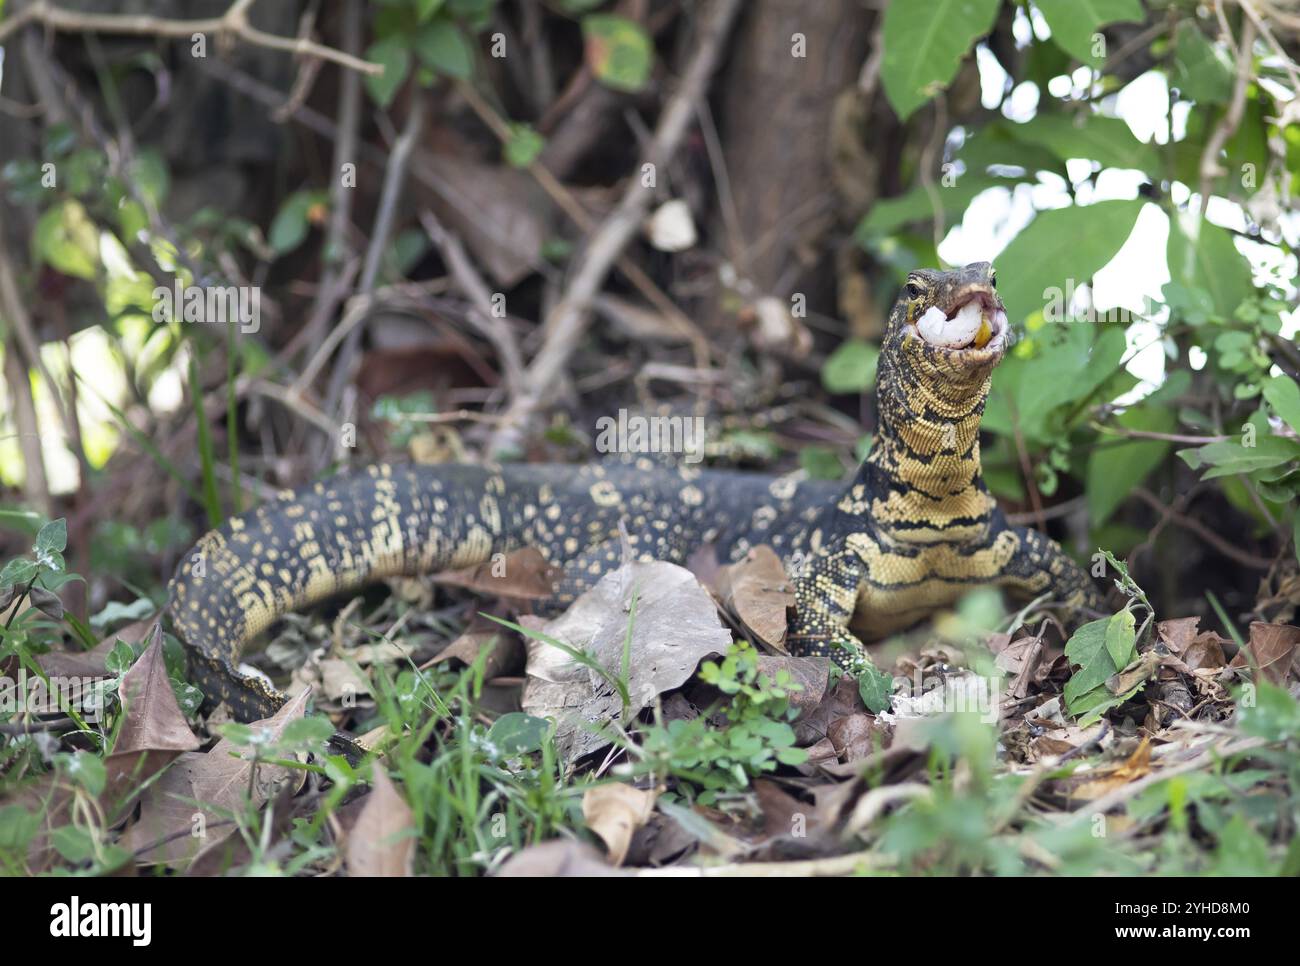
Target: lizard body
[[912, 532]]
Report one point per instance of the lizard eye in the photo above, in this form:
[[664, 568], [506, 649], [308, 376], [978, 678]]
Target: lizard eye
[[913, 290]]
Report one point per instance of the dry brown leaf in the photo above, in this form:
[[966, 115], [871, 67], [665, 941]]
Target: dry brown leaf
[[1205, 651], [382, 842], [812, 674], [637, 322], [1136, 766], [841, 701], [856, 736], [1130, 677], [675, 627], [90, 664], [1271, 649], [499, 212], [559, 857], [522, 574], [184, 815], [153, 733], [1178, 633], [507, 651], [760, 594], [1020, 659], [614, 812]]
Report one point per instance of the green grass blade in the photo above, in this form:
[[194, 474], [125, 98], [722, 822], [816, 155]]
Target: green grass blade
[[207, 458]]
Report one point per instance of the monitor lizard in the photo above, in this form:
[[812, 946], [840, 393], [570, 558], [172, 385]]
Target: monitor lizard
[[914, 529]]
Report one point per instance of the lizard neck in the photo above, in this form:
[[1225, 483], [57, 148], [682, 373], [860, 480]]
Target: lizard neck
[[923, 473]]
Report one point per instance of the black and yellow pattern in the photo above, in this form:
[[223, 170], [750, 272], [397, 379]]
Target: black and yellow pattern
[[912, 532]]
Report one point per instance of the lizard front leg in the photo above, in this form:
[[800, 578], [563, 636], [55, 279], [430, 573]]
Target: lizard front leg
[[1039, 565], [826, 592]]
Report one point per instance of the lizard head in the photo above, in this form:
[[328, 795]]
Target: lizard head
[[953, 319], [947, 331]]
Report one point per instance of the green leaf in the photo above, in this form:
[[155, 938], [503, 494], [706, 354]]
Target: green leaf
[[441, 45], [394, 53], [1107, 140], [1202, 255], [1087, 649], [619, 51], [524, 145], [87, 770], [52, 536], [290, 226], [424, 9], [1201, 71], [876, 688], [851, 367], [73, 843], [890, 214], [1121, 638], [1283, 395], [66, 239], [1073, 22], [1242, 851], [1229, 457], [149, 172], [1092, 706], [821, 462], [120, 658], [1064, 244], [1114, 469], [17, 827], [306, 732], [517, 733], [923, 49], [18, 571]]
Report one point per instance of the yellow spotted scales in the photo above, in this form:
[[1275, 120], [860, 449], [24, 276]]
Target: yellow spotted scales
[[914, 530]]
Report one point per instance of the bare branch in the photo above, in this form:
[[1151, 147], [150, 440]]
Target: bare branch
[[233, 22]]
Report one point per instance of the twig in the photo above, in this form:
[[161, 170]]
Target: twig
[[1262, 26], [1049, 513], [331, 292], [1202, 531], [567, 322], [1122, 794], [925, 172], [36, 486], [233, 22], [832, 865], [570, 206], [394, 177], [1231, 119], [303, 83], [34, 727], [14, 308], [1166, 437], [1035, 500], [497, 330]]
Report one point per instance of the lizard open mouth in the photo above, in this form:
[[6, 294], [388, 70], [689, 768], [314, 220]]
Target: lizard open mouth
[[976, 321]]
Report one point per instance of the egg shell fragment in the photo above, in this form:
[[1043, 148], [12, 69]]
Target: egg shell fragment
[[937, 329]]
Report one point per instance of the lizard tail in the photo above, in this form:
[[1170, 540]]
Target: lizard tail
[[331, 538]]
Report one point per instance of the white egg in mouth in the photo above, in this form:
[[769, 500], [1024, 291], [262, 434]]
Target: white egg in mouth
[[970, 326]]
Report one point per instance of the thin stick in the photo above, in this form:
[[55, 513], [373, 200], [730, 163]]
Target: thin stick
[[567, 322], [233, 22], [496, 329], [1202, 531], [1231, 119], [394, 177]]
